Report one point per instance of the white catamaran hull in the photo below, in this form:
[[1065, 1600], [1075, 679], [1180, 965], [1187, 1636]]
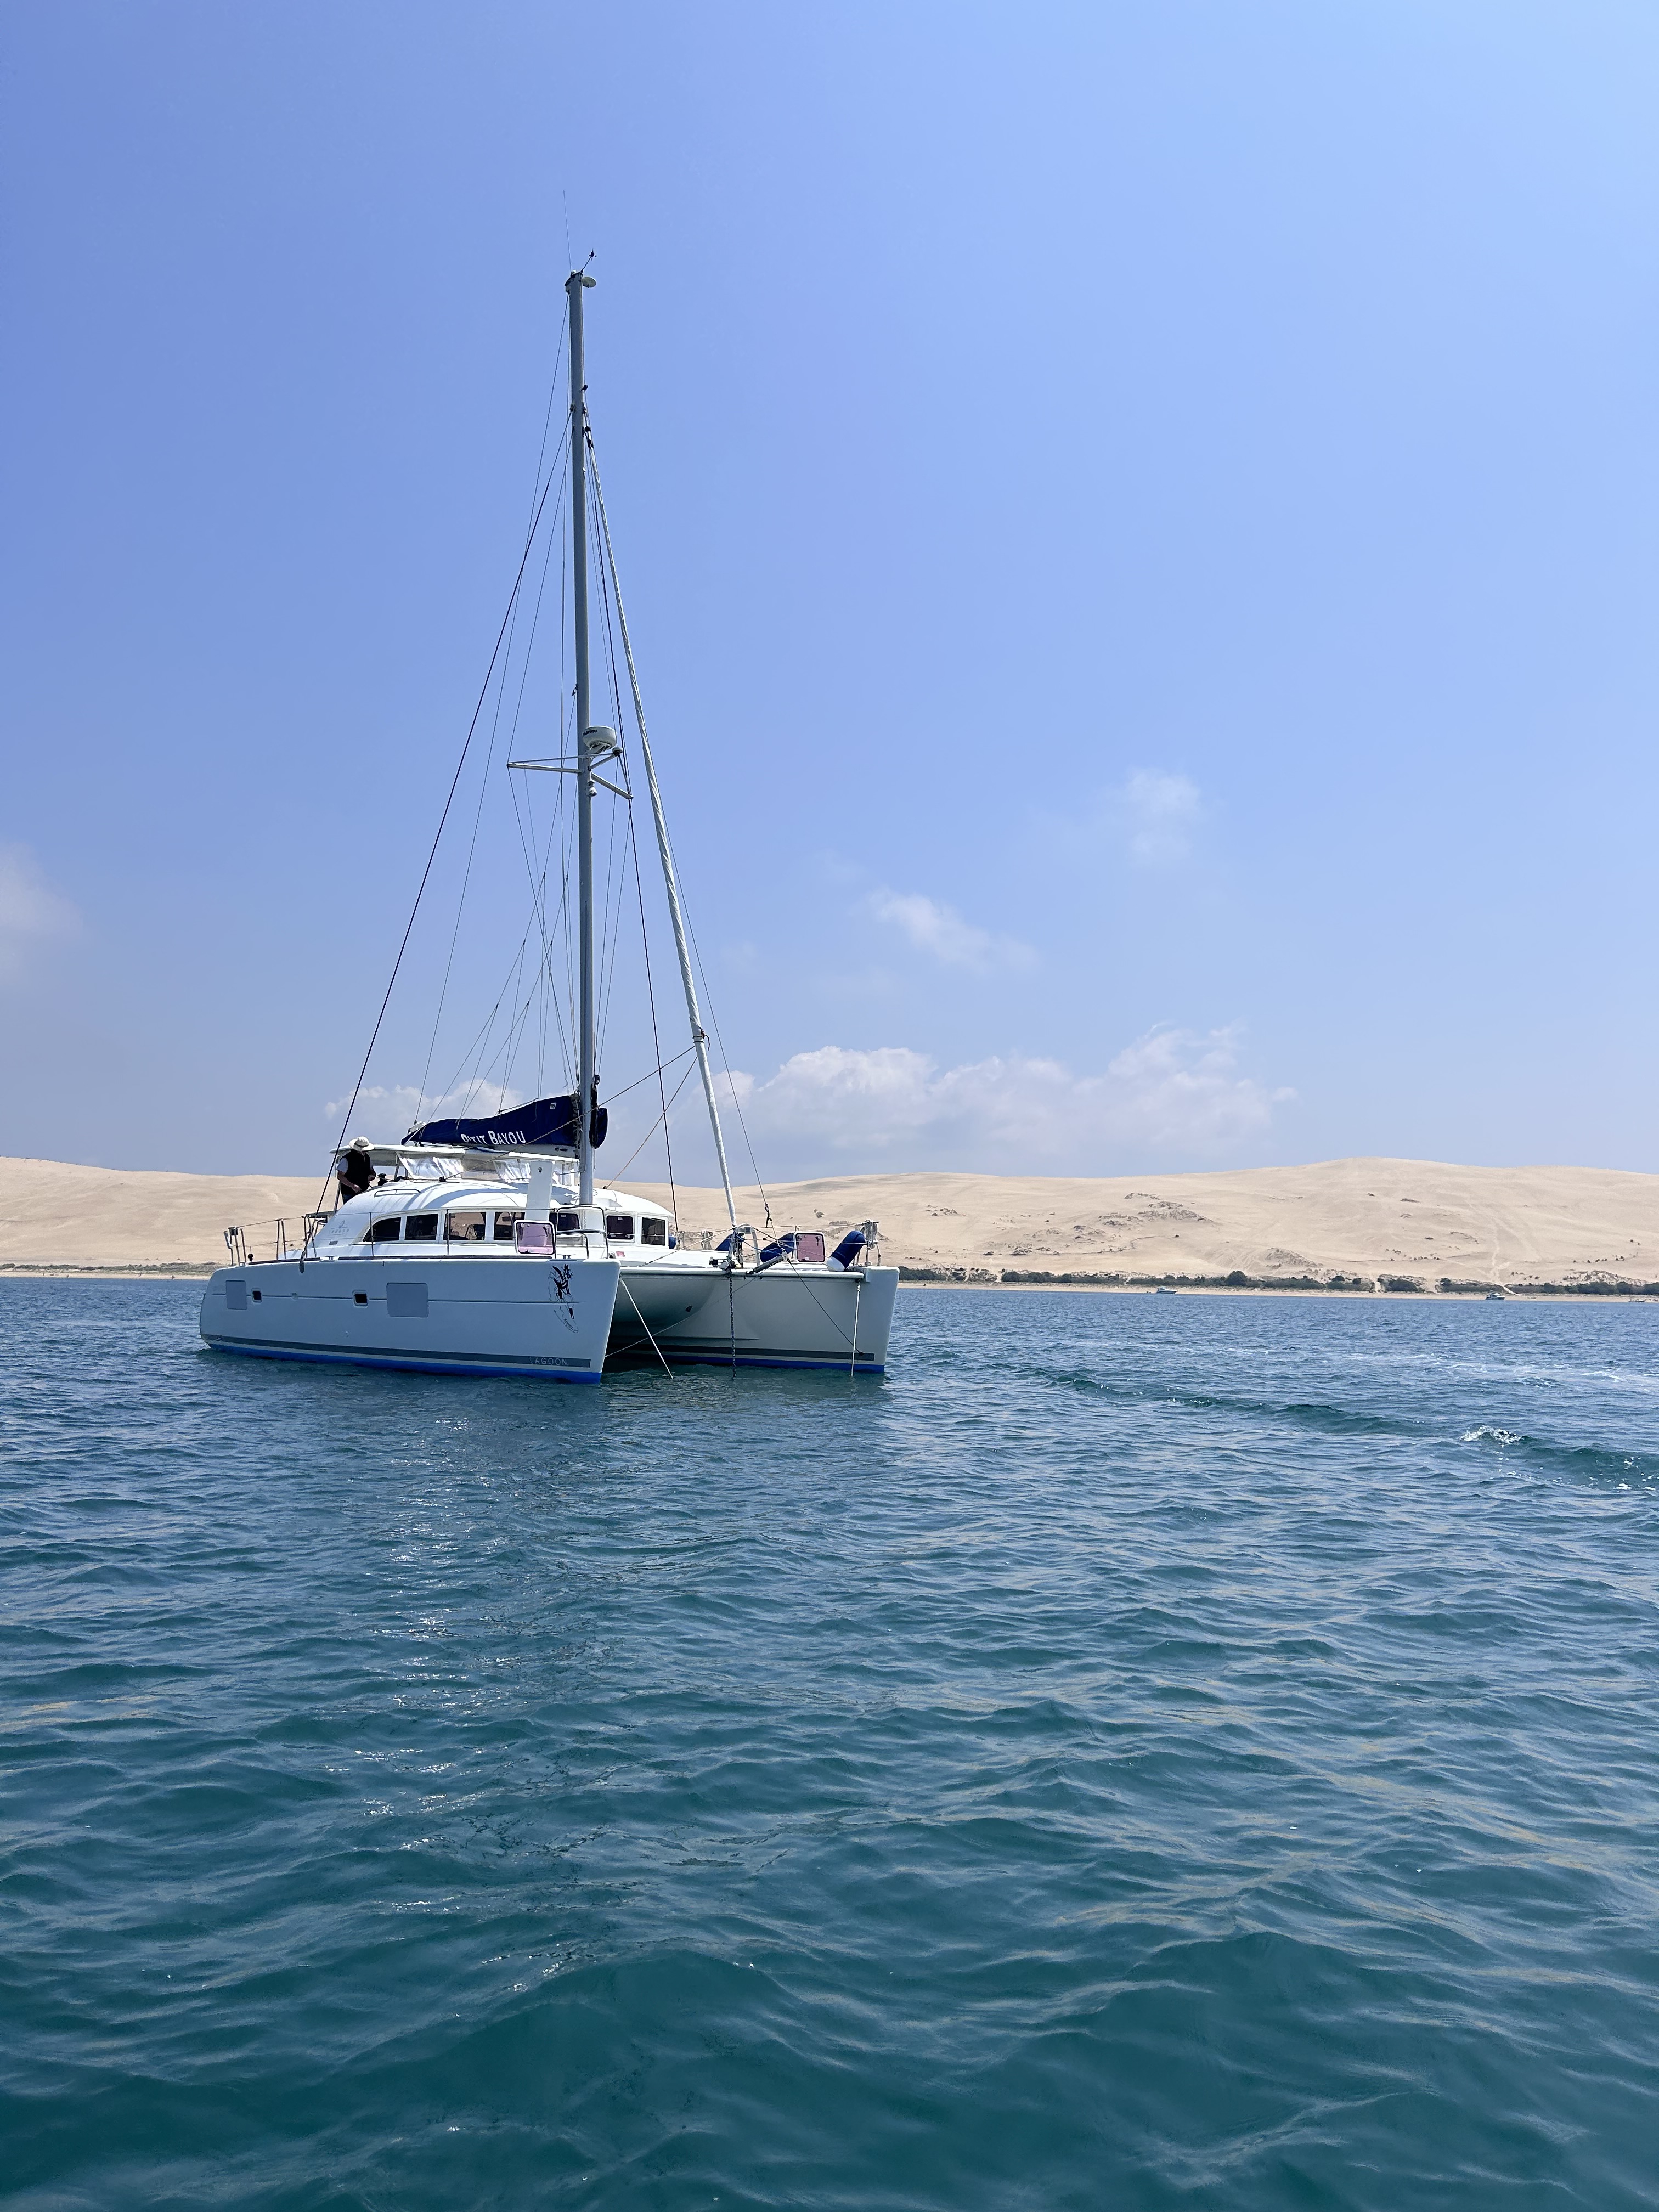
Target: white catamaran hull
[[776, 1317], [514, 1314]]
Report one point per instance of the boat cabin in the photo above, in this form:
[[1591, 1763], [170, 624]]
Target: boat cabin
[[487, 1215]]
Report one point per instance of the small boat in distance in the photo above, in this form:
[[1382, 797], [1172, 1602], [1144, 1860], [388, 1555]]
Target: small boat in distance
[[483, 1244]]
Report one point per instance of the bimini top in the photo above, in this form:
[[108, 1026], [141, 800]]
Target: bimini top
[[544, 1125]]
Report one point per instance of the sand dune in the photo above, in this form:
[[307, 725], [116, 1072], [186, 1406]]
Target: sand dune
[[1346, 1223]]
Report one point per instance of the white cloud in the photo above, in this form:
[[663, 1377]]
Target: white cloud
[[1161, 813], [1170, 1094], [933, 927], [1151, 816], [31, 912]]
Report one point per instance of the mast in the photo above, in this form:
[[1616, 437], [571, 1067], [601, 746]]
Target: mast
[[575, 284]]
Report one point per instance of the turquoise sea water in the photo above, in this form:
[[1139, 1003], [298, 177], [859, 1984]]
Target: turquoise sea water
[[1146, 1752]]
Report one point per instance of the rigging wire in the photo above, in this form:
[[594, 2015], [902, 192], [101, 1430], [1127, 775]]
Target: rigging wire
[[484, 782], [566, 715], [736, 1103], [527, 842], [537, 886], [420, 893], [645, 934], [601, 548], [619, 1172], [676, 897], [481, 1037], [611, 1096], [613, 928], [656, 1042]]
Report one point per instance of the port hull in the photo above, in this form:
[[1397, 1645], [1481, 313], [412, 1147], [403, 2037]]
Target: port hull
[[514, 1314]]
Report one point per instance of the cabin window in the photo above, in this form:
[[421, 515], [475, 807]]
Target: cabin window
[[651, 1230], [505, 1223], [465, 1228], [568, 1224], [386, 1230], [420, 1229], [619, 1227]]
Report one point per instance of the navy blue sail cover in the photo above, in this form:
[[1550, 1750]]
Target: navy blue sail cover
[[542, 1124]]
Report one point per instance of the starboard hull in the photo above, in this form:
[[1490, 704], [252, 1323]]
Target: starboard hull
[[777, 1316]]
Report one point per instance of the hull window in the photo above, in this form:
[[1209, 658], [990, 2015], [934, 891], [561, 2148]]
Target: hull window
[[406, 1301]]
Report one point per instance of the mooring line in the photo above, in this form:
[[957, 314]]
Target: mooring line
[[646, 1326]]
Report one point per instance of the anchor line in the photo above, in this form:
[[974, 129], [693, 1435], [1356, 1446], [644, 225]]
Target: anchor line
[[646, 1326]]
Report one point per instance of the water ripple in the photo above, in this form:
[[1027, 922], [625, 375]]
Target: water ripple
[[1152, 1753]]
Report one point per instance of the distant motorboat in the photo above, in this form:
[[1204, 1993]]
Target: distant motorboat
[[1496, 1298]]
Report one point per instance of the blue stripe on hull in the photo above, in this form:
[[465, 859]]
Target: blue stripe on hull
[[400, 1365], [830, 1366]]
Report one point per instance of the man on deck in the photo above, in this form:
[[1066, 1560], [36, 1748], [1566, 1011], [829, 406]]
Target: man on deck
[[353, 1170]]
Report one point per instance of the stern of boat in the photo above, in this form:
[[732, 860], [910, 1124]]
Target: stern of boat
[[788, 1316]]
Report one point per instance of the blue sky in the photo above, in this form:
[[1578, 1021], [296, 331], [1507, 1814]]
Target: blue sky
[[1139, 526]]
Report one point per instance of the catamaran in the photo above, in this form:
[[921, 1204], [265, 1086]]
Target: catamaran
[[483, 1244]]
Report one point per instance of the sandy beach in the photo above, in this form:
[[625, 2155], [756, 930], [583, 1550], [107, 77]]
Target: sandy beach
[[1349, 1225]]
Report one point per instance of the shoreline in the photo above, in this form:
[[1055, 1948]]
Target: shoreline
[[44, 1271], [1554, 1295], [1551, 1294]]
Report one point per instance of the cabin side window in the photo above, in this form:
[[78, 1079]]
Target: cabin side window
[[653, 1230], [568, 1224], [385, 1230], [465, 1228], [505, 1225], [420, 1229], [619, 1228]]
